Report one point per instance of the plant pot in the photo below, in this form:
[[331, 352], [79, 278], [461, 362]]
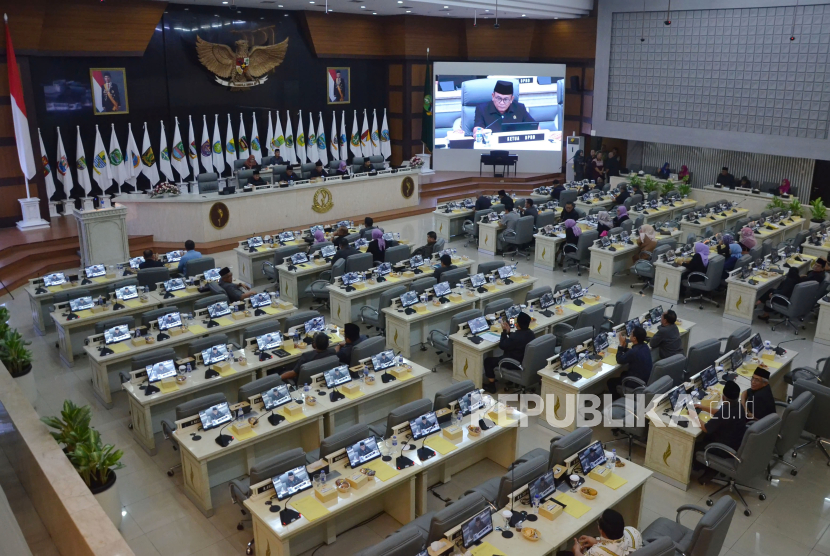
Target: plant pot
[[26, 382], [109, 498]]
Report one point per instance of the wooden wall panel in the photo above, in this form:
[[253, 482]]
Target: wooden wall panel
[[565, 39], [588, 106], [396, 75], [9, 162], [395, 102], [395, 128], [397, 155], [572, 104], [10, 207], [348, 35], [443, 37], [512, 41], [589, 79], [418, 71], [6, 122]]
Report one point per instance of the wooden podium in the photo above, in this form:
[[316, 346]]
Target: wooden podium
[[103, 235]]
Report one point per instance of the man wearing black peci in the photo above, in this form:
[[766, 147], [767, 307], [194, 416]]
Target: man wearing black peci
[[501, 108]]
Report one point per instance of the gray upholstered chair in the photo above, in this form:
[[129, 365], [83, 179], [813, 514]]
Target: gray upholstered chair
[[536, 293], [705, 283], [317, 247], [206, 302], [260, 329], [745, 464], [592, 316], [620, 313], [756, 254], [367, 348], [498, 305], [103, 325], [151, 276], [422, 284], [402, 414], [470, 227], [811, 373], [121, 284], [374, 316], [736, 338], [525, 373], [671, 367], [498, 489], [798, 306], [626, 410], [240, 489], [489, 267], [451, 393], [300, 317], [818, 425], [440, 339], [401, 543], [645, 269], [199, 266], [545, 218], [706, 539], [208, 182], [561, 448], [152, 316], [568, 196], [793, 421], [151, 357], [519, 237], [311, 368], [433, 525], [662, 546], [257, 387], [183, 411], [242, 177], [359, 263], [455, 276], [201, 344], [702, 355], [318, 290], [575, 338], [396, 254], [269, 268], [579, 255], [339, 440]]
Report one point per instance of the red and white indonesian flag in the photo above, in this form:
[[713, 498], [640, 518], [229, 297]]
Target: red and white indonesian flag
[[47, 170], [64, 173], [21, 123], [101, 163], [98, 91]]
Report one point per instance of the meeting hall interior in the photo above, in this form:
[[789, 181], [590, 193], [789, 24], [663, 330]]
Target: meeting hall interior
[[254, 298]]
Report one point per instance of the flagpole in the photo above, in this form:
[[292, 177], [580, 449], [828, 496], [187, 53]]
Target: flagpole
[[423, 145]]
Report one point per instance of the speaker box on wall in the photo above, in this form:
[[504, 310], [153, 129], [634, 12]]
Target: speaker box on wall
[[574, 82]]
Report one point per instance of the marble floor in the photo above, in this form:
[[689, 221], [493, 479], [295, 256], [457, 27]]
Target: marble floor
[[160, 521]]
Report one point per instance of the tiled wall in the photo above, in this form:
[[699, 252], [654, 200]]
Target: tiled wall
[[723, 69]]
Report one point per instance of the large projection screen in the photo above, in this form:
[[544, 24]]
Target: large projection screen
[[471, 118]]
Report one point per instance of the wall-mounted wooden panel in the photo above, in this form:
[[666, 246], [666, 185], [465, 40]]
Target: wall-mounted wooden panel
[[395, 102], [10, 207], [511, 41], [416, 128], [4, 79], [397, 155], [349, 35], [396, 75], [565, 39], [589, 79], [572, 104], [418, 71], [443, 37], [9, 163], [586, 128], [395, 128], [6, 123], [587, 106]]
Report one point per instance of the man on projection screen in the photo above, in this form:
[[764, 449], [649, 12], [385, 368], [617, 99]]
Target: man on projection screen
[[500, 109]]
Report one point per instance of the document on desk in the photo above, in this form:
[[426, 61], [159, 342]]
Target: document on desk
[[486, 549], [382, 471], [224, 321], [353, 395], [491, 337], [573, 507], [119, 348], [615, 481], [311, 508], [196, 329], [441, 445]]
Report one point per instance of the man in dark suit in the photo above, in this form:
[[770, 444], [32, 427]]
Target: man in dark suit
[[725, 178], [344, 250], [110, 97], [150, 260], [321, 350], [624, 194], [288, 178], [446, 264], [277, 158], [513, 345], [558, 188], [501, 108], [353, 337], [318, 171]]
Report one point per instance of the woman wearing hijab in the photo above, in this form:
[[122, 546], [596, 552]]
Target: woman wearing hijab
[[747, 239], [572, 231], [784, 188], [319, 236], [734, 255], [622, 216], [377, 247], [700, 260], [664, 172], [341, 169], [785, 288], [724, 245], [579, 165], [604, 223], [597, 167], [684, 171], [646, 242]]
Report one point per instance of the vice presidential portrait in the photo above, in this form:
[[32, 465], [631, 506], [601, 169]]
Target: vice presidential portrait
[[500, 109]]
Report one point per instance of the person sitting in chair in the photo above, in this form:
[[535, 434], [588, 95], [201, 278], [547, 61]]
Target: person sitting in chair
[[513, 346]]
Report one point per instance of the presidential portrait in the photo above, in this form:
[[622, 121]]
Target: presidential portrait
[[109, 91], [338, 80]]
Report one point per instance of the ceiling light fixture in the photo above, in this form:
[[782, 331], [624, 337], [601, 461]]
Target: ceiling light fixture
[[496, 25], [668, 15], [225, 2], [374, 13], [524, 15], [409, 11]]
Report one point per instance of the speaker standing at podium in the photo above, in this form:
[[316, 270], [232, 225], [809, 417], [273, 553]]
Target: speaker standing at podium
[[501, 108]]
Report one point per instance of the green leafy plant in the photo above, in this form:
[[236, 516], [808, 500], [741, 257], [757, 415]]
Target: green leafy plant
[[819, 210], [635, 181], [72, 426], [778, 203], [4, 320], [13, 353], [667, 187], [795, 207], [686, 178], [684, 189], [650, 184], [95, 460]]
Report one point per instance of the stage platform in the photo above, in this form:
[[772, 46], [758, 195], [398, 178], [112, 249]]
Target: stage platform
[[25, 255]]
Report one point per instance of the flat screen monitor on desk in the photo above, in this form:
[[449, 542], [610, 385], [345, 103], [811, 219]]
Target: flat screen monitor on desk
[[126, 293], [212, 275], [575, 291], [55, 279], [383, 360], [317, 228], [219, 309], [95, 270], [600, 342], [291, 482], [286, 236], [591, 457], [299, 258], [409, 299], [442, 289], [260, 300], [392, 236], [272, 340], [174, 284], [656, 314], [135, 262], [424, 426], [337, 376], [80, 304], [469, 402], [383, 269], [708, 377], [546, 300], [362, 452], [542, 486], [215, 354], [116, 334], [351, 278], [215, 416], [275, 397], [328, 251], [160, 370], [478, 527], [361, 242], [255, 241], [631, 325], [170, 320], [506, 272], [477, 280], [756, 342], [478, 325], [317, 324], [736, 359], [568, 358], [678, 398], [174, 256]]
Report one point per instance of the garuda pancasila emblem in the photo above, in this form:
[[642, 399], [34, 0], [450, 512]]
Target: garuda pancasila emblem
[[243, 68]]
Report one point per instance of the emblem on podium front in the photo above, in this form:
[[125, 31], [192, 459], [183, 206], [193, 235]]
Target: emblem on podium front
[[219, 215], [323, 201], [407, 187]]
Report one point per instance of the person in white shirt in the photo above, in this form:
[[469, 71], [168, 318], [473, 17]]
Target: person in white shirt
[[615, 539]]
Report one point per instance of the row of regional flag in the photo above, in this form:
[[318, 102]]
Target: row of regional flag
[[124, 166]]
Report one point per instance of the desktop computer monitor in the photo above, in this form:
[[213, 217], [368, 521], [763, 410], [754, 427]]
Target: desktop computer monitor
[[383, 269], [215, 416], [215, 354], [656, 314], [477, 280], [575, 291], [116, 334], [174, 284], [170, 320], [286, 236], [568, 358], [212, 275], [317, 324], [442, 289], [449, 252], [424, 426], [756, 342], [470, 402], [299, 258], [337, 376], [392, 236], [275, 397], [383, 360], [219, 309], [255, 241], [291, 482], [708, 377], [542, 486], [546, 300], [328, 251], [80, 304], [478, 325], [416, 261], [361, 242], [126, 293], [478, 527], [600, 342], [174, 256], [272, 340], [317, 228], [351, 278], [736, 359], [160, 370], [631, 325], [409, 299], [260, 300], [95, 270], [55, 279], [135, 262], [506, 272], [591, 457], [362, 452]]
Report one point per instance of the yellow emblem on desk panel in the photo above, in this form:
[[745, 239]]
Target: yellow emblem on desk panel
[[599, 266], [323, 201], [740, 300], [556, 407], [407, 187], [544, 250], [666, 285], [466, 366], [667, 455]]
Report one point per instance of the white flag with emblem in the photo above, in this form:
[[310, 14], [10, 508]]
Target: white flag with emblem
[[301, 152], [354, 140], [269, 140], [47, 170], [132, 158], [375, 135], [344, 139], [193, 147], [365, 142], [311, 141], [216, 146], [279, 140], [118, 164], [288, 153], [256, 148], [179, 155], [164, 156], [81, 166], [242, 141], [206, 147], [101, 163], [148, 160], [64, 173], [230, 144], [385, 144], [334, 140], [322, 147]]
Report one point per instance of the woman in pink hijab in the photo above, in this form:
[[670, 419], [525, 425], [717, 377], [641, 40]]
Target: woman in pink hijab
[[747, 239], [784, 188], [377, 247]]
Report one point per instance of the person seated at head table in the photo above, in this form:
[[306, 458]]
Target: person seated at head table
[[426, 250], [353, 337], [604, 223], [501, 107], [321, 349], [622, 216], [529, 209], [367, 165], [748, 240], [784, 188], [150, 260], [344, 250], [667, 338], [483, 202], [569, 212], [699, 261], [235, 292], [446, 264], [646, 243], [615, 539], [318, 171], [256, 179], [663, 173], [731, 260], [513, 346], [758, 400], [289, 177], [684, 171], [725, 178], [557, 190], [342, 169], [637, 356], [377, 246], [624, 194], [251, 163], [745, 183], [277, 158]]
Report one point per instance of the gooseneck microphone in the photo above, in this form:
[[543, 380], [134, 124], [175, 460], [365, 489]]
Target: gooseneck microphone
[[224, 439], [780, 351]]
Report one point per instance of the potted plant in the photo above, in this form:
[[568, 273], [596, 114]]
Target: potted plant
[[636, 181], [96, 463], [650, 184], [819, 210], [72, 426], [667, 187], [18, 361], [778, 203], [684, 189], [795, 207]]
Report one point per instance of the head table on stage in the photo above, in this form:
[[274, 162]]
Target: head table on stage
[[205, 217]]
